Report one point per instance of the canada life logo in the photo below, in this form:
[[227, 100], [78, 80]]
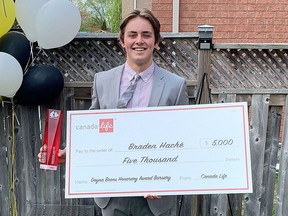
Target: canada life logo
[[106, 125]]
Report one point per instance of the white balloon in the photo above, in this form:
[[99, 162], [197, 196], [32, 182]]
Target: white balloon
[[57, 23], [11, 75], [26, 12]]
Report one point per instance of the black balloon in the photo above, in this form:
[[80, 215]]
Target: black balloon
[[17, 45], [41, 84]]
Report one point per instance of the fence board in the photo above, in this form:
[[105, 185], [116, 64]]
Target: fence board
[[258, 126], [282, 193], [185, 205], [4, 185], [219, 204], [26, 136], [270, 160]]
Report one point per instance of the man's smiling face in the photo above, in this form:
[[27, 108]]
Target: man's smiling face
[[139, 43]]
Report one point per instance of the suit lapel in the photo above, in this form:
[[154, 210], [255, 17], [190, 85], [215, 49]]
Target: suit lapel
[[157, 87], [115, 83]]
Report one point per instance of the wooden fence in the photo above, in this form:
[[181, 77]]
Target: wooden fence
[[27, 190], [23, 184]]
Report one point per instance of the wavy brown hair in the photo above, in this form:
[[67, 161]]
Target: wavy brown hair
[[145, 14]]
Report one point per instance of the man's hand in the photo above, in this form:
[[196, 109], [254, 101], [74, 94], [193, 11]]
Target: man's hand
[[61, 155], [152, 196]]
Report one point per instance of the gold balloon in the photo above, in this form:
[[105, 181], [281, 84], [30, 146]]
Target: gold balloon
[[7, 15]]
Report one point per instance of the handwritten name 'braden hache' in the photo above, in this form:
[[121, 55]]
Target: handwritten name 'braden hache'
[[163, 145]]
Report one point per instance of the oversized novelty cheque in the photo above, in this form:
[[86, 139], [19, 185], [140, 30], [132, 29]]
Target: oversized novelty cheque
[[193, 149]]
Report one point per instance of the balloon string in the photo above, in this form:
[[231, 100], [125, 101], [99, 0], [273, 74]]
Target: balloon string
[[14, 202], [9, 174], [32, 58]]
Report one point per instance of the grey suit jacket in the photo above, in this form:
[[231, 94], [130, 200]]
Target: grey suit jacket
[[168, 89]]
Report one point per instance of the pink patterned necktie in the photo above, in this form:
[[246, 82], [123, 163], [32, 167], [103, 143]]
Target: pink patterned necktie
[[128, 93]]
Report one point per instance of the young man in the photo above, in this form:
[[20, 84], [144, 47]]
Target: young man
[[139, 36]]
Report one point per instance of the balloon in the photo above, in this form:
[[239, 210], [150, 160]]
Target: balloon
[[26, 12], [40, 85], [57, 23], [17, 45], [7, 15], [11, 75]]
